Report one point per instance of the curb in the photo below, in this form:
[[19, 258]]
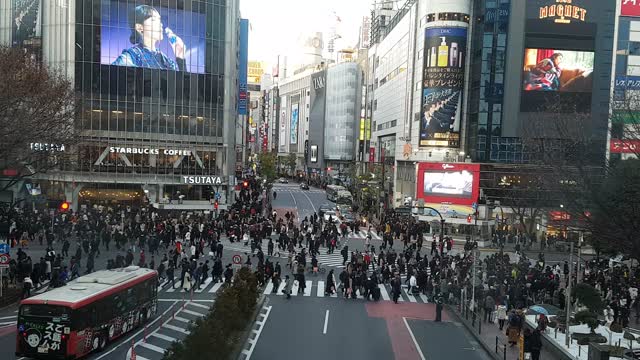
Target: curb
[[246, 333], [490, 352]]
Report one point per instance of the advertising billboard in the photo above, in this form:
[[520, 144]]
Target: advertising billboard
[[627, 146], [558, 70], [138, 35], [243, 58], [451, 188], [294, 123], [442, 86], [27, 26], [630, 8]]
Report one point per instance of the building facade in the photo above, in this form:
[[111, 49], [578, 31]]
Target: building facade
[[158, 120], [463, 81]]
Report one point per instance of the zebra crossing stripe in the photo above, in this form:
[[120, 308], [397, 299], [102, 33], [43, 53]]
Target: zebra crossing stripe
[[383, 292], [320, 289], [410, 297], [295, 288], [424, 299], [269, 288], [280, 288], [307, 288], [215, 287], [205, 284], [172, 289]]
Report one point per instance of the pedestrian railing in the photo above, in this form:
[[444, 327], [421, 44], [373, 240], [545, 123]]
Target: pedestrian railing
[[472, 317], [501, 349]]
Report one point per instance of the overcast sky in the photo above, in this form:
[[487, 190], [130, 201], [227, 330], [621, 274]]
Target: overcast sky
[[277, 24]]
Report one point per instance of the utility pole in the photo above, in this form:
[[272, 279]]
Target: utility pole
[[568, 297], [473, 281]]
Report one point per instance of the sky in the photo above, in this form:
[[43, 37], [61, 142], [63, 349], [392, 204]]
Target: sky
[[276, 25]]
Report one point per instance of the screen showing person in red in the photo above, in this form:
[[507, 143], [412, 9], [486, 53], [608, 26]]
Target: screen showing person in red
[[558, 70]]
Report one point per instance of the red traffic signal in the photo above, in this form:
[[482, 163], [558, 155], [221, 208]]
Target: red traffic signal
[[215, 205], [64, 206], [469, 219], [245, 184], [328, 169]]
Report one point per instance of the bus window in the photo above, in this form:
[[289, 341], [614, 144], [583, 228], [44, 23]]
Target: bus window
[[45, 311]]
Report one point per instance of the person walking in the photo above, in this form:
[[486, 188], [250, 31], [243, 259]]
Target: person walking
[[396, 285], [287, 286], [501, 314]]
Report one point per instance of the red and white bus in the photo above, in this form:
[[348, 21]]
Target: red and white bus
[[85, 315]]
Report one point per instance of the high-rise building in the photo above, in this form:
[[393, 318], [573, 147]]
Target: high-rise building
[[159, 108]]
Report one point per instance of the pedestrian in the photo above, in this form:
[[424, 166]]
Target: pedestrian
[[396, 286], [287, 286], [26, 287], [501, 314]]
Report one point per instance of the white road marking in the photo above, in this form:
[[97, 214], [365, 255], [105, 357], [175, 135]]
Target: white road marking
[[164, 337], [307, 288], [194, 313], [215, 287], [128, 340], [198, 305], [294, 199], [253, 343], [8, 317], [383, 292], [175, 328], [414, 339], [152, 347], [320, 288], [326, 322], [269, 288], [204, 285], [310, 202]]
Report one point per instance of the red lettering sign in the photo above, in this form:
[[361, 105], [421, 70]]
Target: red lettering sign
[[618, 146], [630, 8]]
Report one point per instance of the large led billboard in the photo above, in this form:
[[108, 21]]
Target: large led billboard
[[295, 108], [138, 35], [442, 85], [448, 184], [558, 70]]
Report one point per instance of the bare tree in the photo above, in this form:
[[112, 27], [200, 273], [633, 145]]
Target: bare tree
[[37, 108]]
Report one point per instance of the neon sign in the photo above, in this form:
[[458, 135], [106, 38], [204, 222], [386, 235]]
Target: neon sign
[[563, 12]]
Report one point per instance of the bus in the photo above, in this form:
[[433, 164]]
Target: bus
[[332, 192], [344, 198], [86, 314]]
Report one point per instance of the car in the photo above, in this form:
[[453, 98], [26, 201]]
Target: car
[[304, 186], [330, 213], [325, 207], [283, 181], [348, 217]]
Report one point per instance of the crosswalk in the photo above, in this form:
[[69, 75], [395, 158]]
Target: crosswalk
[[175, 328], [334, 260], [317, 289], [208, 286]]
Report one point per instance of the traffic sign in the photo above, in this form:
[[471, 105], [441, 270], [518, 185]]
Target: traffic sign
[[237, 259], [4, 259], [474, 206], [4, 248]]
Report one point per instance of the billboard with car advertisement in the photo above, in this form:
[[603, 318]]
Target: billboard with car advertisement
[[451, 188]]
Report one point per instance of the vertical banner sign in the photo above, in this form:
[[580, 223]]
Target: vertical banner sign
[[243, 67], [445, 51], [294, 123]]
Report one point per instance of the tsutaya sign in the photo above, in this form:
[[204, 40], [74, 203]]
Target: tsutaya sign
[[563, 11], [202, 180], [148, 151]]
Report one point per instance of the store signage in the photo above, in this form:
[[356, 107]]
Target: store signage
[[202, 180], [47, 147], [618, 146], [563, 12], [318, 83], [148, 151], [625, 82], [630, 8]]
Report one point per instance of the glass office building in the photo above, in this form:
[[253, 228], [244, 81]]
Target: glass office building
[[158, 87]]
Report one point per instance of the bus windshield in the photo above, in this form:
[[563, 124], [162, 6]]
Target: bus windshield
[[49, 311]]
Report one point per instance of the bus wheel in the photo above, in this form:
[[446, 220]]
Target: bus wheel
[[95, 344], [103, 342]]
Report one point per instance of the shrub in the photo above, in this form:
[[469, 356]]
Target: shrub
[[220, 331]]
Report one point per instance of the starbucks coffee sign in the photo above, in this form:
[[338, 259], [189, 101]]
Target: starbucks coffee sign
[[202, 180]]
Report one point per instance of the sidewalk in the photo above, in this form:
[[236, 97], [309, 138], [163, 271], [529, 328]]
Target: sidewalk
[[492, 339]]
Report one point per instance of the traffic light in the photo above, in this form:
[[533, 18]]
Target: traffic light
[[328, 169], [215, 205], [64, 206], [245, 184], [469, 219]]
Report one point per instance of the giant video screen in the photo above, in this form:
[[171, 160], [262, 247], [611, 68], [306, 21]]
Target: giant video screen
[[134, 34], [448, 183], [27, 26], [558, 70]]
